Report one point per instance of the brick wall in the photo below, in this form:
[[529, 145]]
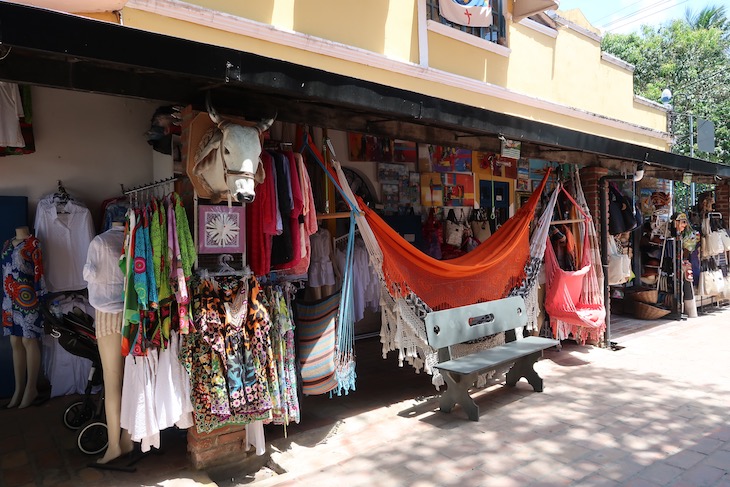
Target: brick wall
[[224, 445], [589, 177]]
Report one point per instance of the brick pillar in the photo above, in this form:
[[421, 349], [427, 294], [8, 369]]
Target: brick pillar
[[722, 201], [589, 177], [224, 445]]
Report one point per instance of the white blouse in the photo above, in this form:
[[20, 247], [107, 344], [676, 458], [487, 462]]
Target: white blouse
[[102, 272], [65, 236]]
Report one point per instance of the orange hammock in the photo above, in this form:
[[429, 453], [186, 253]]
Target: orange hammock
[[487, 273]]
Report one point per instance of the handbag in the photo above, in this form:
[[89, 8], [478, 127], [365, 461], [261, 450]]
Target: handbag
[[712, 282], [454, 230], [711, 241], [619, 264], [725, 238]]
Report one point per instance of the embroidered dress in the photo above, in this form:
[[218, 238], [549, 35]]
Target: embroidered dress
[[23, 286]]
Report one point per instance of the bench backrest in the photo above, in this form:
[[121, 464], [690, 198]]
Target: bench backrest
[[458, 325]]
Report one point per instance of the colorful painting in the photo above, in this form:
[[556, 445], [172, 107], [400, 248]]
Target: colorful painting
[[404, 151], [523, 185], [409, 190], [450, 159], [363, 147], [221, 229], [494, 164], [392, 173], [391, 197], [450, 189]]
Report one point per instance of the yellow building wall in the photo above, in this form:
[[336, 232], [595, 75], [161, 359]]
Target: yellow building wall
[[567, 70]]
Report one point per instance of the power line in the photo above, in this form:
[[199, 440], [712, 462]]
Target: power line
[[617, 11], [637, 12], [632, 21]]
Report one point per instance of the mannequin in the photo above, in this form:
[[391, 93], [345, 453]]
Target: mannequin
[[106, 294], [25, 302], [679, 232]]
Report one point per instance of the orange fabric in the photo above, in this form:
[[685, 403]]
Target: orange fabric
[[488, 272]]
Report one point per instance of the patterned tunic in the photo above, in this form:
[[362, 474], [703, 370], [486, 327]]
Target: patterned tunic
[[23, 286]]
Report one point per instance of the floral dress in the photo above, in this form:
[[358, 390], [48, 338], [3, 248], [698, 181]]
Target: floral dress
[[23, 286]]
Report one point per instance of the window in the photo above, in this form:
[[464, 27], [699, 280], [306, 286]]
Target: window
[[493, 33]]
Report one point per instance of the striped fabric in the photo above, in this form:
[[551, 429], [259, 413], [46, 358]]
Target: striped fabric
[[316, 330]]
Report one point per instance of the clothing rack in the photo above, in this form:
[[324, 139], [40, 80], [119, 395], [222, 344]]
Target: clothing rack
[[152, 185], [342, 239]]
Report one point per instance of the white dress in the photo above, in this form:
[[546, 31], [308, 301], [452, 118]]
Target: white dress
[[11, 109], [172, 389], [321, 272], [138, 402]]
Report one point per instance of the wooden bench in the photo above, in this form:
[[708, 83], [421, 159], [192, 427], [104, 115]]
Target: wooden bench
[[515, 358]]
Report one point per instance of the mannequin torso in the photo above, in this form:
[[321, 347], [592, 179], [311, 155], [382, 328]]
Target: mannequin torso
[[21, 233]]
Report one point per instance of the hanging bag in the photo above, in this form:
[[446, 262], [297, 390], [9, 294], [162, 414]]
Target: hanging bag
[[454, 230], [711, 241], [712, 281], [619, 264], [725, 238]]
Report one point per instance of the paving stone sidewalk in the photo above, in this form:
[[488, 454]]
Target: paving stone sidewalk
[[653, 413]]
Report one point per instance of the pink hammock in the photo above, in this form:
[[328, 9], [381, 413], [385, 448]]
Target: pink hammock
[[572, 298]]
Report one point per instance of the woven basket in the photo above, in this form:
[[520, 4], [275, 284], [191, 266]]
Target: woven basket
[[650, 296], [645, 311]]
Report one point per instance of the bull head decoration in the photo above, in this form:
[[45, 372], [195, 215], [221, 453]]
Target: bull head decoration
[[228, 159]]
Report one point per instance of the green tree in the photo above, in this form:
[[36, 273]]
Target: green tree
[[690, 57], [708, 18]]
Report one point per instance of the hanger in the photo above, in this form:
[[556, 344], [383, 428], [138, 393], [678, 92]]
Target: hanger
[[224, 269]]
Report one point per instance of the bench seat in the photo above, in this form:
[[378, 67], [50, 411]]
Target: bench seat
[[513, 360], [497, 356]]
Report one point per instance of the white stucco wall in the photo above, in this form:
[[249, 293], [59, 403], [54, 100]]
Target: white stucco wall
[[92, 143]]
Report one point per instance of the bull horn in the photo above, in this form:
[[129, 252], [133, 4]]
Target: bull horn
[[264, 125], [212, 113]]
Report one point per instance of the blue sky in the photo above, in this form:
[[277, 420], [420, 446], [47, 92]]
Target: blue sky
[[624, 16]]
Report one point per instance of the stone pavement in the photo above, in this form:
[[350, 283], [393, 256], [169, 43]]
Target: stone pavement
[[653, 413], [37, 450]]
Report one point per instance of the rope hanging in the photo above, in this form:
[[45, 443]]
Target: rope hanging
[[344, 346]]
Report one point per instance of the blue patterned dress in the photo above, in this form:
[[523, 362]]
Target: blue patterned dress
[[23, 287]]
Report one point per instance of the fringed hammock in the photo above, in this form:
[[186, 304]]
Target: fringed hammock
[[414, 284], [574, 299]]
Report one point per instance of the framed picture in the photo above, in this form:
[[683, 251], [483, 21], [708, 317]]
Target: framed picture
[[391, 197], [392, 173], [362, 147], [221, 229], [522, 199], [450, 159], [404, 151], [523, 185]]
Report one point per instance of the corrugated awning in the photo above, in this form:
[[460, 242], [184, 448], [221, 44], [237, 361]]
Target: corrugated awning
[[65, 51]]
